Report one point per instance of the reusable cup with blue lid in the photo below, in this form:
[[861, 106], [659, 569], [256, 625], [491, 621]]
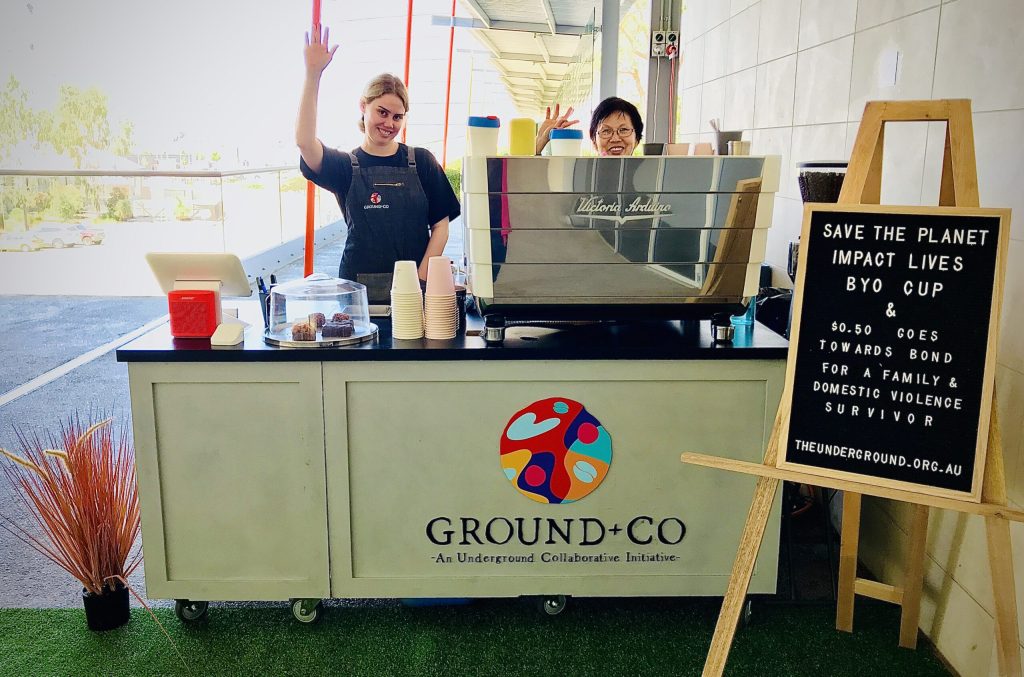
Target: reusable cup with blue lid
[[482, 135], [566, 142]]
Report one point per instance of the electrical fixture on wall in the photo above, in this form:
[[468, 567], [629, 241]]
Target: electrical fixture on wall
[[658, 41], [665, 43], [671, 44]]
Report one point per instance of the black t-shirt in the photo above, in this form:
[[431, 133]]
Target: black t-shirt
[[336, 176]]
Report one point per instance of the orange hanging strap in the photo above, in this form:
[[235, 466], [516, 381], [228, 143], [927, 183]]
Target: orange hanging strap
[[307, 264], [448, 90], [307, 268], [408, 48]]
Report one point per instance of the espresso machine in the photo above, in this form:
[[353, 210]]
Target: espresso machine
[[588, 238]]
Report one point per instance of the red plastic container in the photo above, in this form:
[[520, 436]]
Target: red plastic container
[[193, 313]]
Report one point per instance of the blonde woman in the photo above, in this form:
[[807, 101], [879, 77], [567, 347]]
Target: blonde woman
[[396, 200]]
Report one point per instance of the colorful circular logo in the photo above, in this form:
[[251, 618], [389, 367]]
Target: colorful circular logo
[[375, 198], [554, 451]]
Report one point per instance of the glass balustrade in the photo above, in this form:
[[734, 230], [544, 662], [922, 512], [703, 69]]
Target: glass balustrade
[[88, 231]]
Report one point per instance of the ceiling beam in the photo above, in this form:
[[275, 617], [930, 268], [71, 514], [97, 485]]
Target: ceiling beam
[[488, 43], [475, 8], [540, 74], [534, 86], [549, 15], [520, 26], [526, 75], [543, 48], [529, 58]]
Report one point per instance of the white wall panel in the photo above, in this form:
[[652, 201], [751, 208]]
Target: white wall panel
[[692, 24], [980, 55], [715, 45], [825, 20], [874, 12], [1010, 394], [823, 83], [691, 68], [776, 89], [1011, 332], [739, 99], [914, 39], [689, 116], [779, 30], [712, 104], [737, 6], [743, 29]]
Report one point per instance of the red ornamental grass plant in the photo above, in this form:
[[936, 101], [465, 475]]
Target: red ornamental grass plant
[[80, 491]]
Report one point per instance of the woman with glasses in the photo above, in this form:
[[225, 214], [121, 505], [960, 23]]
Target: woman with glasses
[[615, 127]]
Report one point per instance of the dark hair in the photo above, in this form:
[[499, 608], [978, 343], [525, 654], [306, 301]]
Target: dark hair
[[614, 104]]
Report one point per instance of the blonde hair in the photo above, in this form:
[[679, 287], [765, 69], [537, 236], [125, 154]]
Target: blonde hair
[[385, 83]]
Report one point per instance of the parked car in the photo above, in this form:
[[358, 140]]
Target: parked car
[[90, 234], [58, 236], [19, 242]]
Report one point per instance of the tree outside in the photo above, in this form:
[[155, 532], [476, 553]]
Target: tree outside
[[78, 124]]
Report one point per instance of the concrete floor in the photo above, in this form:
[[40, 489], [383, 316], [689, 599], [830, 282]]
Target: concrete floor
[[41, 334]]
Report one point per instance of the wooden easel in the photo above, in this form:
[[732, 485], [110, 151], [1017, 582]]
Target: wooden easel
[[862, 185]]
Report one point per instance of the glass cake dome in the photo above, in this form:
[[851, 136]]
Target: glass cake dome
[[319, 311]]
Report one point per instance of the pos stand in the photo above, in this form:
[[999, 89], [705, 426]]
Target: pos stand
[[219, 273]]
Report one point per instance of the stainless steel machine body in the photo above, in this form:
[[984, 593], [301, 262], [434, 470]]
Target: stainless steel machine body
[[611, 238]]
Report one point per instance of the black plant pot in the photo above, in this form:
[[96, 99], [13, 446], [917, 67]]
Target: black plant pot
[[107, 611]]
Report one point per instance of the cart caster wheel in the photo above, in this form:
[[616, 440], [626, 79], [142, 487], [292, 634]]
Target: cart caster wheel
[[552, 605], [189, 611], [307, 610]]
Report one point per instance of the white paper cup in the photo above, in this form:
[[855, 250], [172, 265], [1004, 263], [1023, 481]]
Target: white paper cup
[[406, 277]]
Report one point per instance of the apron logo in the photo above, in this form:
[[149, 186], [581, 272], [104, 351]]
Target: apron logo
[[555, 451], [375, 199]]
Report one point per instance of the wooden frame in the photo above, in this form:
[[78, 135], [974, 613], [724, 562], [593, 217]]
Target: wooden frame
[[990, 354], [863, 185]]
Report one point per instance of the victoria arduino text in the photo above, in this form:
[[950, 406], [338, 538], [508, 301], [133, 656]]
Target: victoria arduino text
[[641, 530]]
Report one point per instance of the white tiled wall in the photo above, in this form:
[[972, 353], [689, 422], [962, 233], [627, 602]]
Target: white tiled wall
[[775, 92], [779, 29], [795, 75], [823, 83], [825, 20]]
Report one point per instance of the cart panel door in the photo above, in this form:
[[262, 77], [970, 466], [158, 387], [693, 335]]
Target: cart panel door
[[232, 467]]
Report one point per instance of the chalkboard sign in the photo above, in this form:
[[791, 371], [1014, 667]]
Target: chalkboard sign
[[892, 352]]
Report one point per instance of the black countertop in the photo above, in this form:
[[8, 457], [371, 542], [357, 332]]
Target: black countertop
[[655, 340]]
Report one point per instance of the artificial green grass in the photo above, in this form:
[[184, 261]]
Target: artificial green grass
[[488, 637]]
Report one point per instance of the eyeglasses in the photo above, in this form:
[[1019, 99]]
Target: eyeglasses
[[623, 132]]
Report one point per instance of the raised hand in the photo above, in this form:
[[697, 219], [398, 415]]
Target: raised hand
[[552, 121], [317, 55]]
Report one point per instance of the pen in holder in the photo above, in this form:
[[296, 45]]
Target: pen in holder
[[264, 292]]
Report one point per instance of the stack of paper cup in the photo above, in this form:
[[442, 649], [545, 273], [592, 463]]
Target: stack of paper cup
[[440, 313], [406, 302]]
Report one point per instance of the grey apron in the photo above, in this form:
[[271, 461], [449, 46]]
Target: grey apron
[[387, 211]]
